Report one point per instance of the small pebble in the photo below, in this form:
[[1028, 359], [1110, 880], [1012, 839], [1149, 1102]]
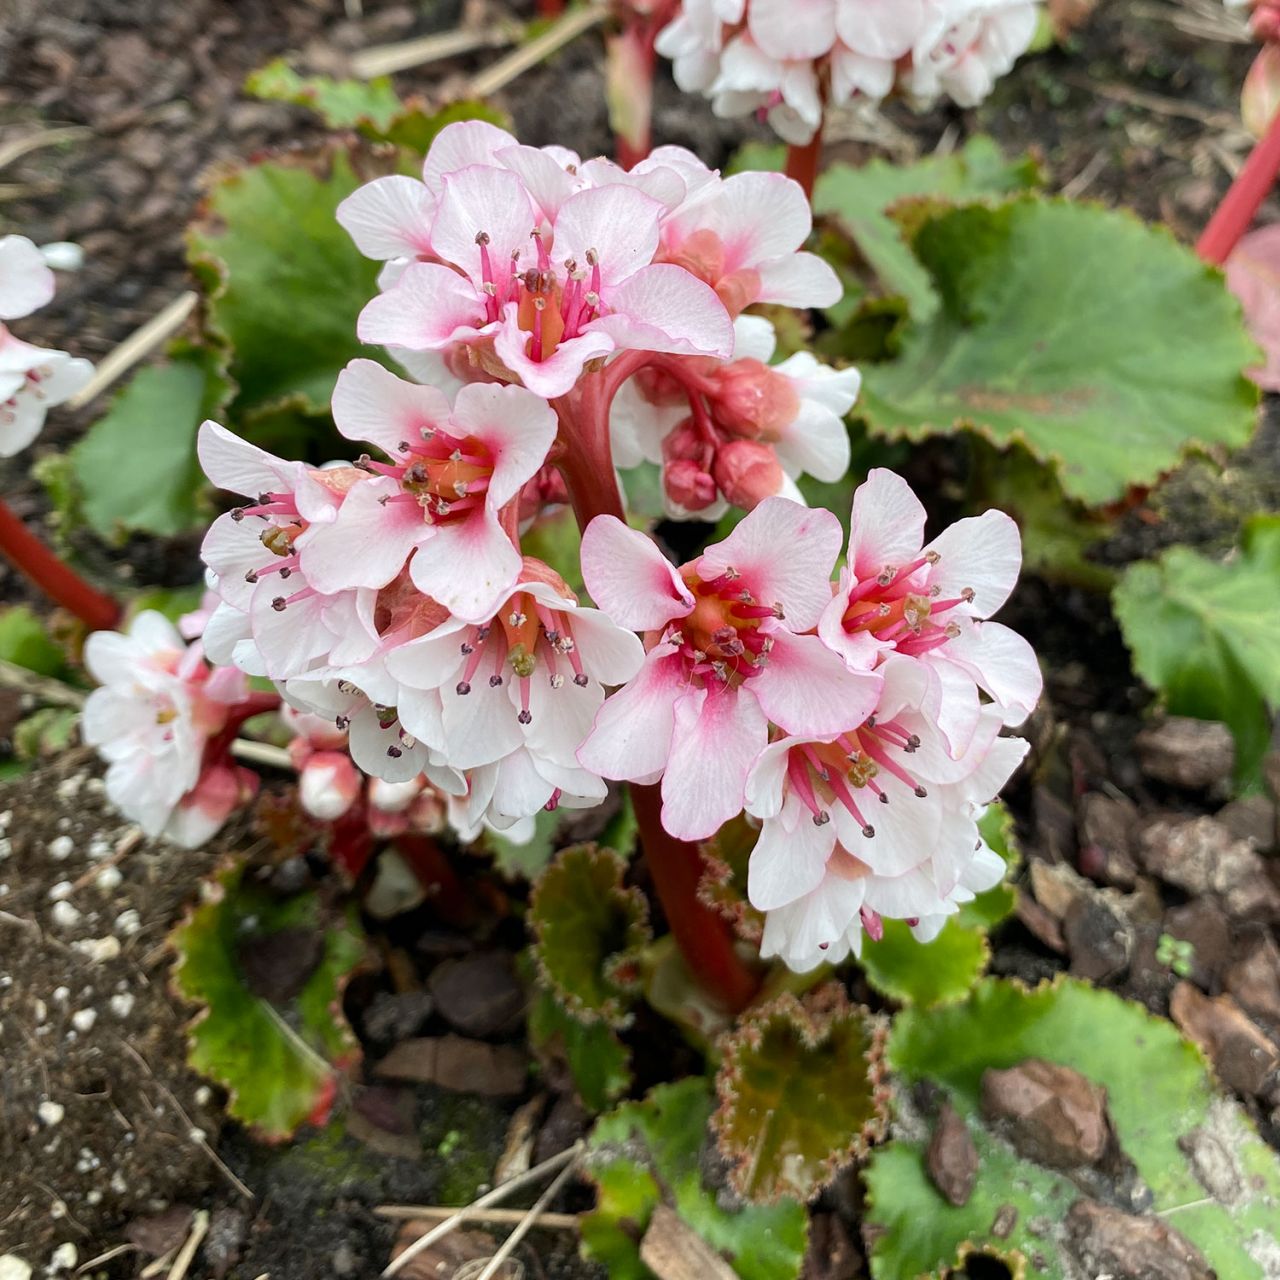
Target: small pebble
[[96, 950], [63, 889], [65, 1256], [60, 848], [64, 915], [108, 879], [83, 1020], [122, 1005], [50, 1113], [61, 994], [13, 1268], [128, 922]]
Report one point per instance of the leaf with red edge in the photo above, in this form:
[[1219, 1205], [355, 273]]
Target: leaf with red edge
[[1253, 275], [801, 1094], [271, 1028]]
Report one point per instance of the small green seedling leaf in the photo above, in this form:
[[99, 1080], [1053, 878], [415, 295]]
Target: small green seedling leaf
[[279, 1053], [153, 423], [1206, 635], [589, 930], [1100, 344], [598, 1061], [285, 282], [858, 198], [1207, 1171], [800, 1092], [651, 1152]]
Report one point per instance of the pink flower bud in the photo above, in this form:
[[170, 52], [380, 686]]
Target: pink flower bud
[[688, 485], [747, 473], [1260, 97], [755, 401], [687, 444], [328, 785]]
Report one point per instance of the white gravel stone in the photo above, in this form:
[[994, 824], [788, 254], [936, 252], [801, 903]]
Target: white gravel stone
[[60, 848], [64, 915], [50, 1112], [83, 1020], [13, 1268]]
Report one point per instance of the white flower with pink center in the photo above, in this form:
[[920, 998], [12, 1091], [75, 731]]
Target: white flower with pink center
[[33, 380], [539, 298], [159, 704], [727, 657], [877, 821], [436, 505], [273, 621], [968, 45], [511, 700], [930, 603]]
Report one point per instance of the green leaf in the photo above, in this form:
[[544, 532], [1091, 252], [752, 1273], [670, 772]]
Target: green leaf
[[25, 642], [280, 1063], [645, 1153], [285, 281], [1160, 1100], [341, 104], [525, 861], [1100, 344], [45, 733], [589, 930], [415, 128], [1206, 635], [598, 1061], [859, 198], [771, 157], [800, 1094], [136, 468]]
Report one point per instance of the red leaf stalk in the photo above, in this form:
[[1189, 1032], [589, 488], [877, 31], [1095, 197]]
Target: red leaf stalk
[[1244, 197], [50, 575]]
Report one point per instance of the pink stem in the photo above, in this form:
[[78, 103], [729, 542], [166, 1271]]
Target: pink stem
[[1240, 205]]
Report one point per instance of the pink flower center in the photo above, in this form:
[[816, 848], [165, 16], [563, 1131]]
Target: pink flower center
[[447, 476], [550, 310], [523, 635], [894, 606], [34, 377], [721, 639], [844, 772]]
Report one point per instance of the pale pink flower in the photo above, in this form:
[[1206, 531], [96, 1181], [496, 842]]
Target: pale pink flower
[[930, 603], [510, 701], [967, 45], [273, 621], [726, 658], [222, 789], [158, 705], [33, 380], [879, 820], [328, 785], [26, 283], [437, 504], [539, 297]]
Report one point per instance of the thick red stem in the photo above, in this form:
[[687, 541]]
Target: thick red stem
[[57, 580], [802, 163], [550, 8], [704, 938], [1244, 197]]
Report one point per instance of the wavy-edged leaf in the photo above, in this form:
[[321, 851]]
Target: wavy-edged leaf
[[25, 641], [859, 199], [1161, 1102], [1206, 635], [279, 1058], [1102, 345], [589, 929], [801, 1094], [341, 104], [285, 283], [651, 1152]]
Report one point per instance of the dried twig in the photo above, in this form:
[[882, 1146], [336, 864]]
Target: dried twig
[[499, 1193], [263, 753], [199, 1228], [11, 151], [48, 690], [529, 1221], [498, 1217], [384, 59], [1154, 102], [555, 37], [139, 344], [105, 1257]]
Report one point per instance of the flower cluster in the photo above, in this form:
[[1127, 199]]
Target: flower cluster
[[787, 59], [162, 719], [860, 727], [33, 380]]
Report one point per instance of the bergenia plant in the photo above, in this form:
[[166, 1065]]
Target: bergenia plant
[[560, 319]]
